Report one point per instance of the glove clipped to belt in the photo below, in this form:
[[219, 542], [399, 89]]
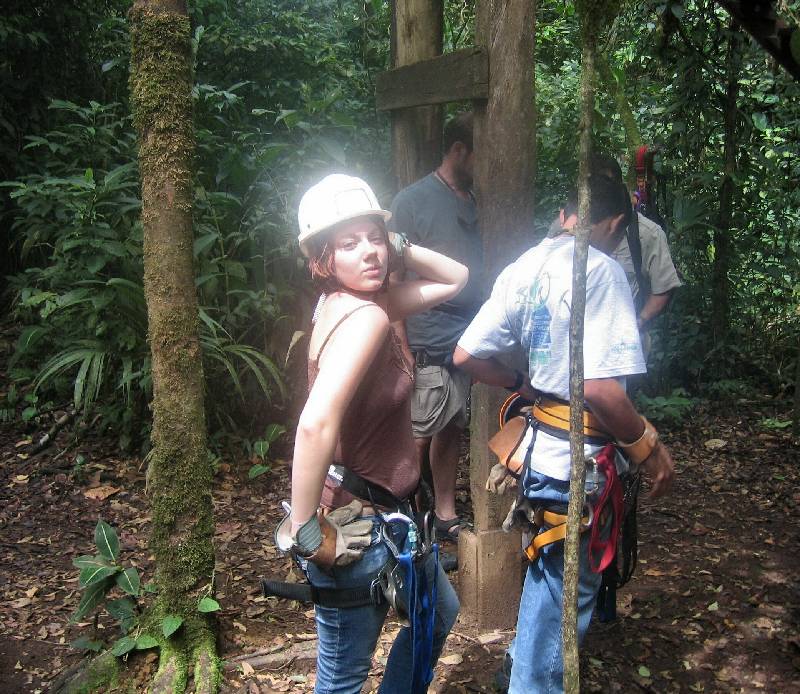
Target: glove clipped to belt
[[337, 539], [353, 533], [500, 479]]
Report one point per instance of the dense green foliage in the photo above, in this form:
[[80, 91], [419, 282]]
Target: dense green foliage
[[284, 94]]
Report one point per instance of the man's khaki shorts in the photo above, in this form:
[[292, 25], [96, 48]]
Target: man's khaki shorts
[[440, 396]]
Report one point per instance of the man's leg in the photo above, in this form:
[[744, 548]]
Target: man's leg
[[538, 665], [425, 491], [444, 454]]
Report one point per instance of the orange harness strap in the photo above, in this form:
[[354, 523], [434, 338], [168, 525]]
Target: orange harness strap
[[556, 533], [556, 414]]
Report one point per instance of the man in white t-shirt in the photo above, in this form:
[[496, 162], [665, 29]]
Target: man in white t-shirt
[[530, 307]]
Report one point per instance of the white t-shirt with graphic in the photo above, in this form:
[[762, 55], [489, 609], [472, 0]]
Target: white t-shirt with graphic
[[530, 306]]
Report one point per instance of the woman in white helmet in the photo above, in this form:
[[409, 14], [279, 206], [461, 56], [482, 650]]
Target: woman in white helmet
[[357, 417]]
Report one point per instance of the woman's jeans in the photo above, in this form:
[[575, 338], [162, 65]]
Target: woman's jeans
[[538, 665], [347, 636]]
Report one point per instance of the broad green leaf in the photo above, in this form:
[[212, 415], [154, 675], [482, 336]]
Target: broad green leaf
[[121, 608], [203, 243], [261, 448], [760, 121], [93, 595], [208, 605], [93, 574], [170, 624], [273, 432], [106, 540], [644, 671], [145, 641], [124, 645], [85, 561], [256, 471], [84, 643], [128, 580]]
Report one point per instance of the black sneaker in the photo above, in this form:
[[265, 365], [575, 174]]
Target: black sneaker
[[502, 678]]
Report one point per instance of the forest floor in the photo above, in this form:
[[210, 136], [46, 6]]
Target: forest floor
[[714, 605]]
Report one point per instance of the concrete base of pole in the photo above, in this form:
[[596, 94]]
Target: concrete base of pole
[[489, 578]]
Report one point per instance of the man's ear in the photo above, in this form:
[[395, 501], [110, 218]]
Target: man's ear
[[568, 222], [616, 223], [460, 150]]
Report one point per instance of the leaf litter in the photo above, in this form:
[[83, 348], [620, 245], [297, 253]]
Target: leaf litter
[[713, 606]]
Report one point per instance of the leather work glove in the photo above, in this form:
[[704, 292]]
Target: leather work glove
[[345, 536], [500, 479], [520, 515]]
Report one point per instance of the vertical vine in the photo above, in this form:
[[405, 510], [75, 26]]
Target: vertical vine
[[595, 16]]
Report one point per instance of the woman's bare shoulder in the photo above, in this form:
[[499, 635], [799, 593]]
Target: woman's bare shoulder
[[346, 313]]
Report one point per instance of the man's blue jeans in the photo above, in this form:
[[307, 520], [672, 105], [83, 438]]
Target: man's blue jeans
[[538, 665], [347, 636]]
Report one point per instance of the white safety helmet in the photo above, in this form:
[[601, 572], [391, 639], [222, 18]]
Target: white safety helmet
[[336, 198]]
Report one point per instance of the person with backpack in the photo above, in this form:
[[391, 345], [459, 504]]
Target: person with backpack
[[643, 252]]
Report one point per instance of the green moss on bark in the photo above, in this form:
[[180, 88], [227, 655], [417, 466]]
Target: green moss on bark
[[180, 474], [99, 675]]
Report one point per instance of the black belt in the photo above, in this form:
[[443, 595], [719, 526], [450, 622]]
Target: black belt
[[364, 489], [325, 597], [423, 359]]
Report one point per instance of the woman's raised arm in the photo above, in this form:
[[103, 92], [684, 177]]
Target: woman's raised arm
[[441, 278]]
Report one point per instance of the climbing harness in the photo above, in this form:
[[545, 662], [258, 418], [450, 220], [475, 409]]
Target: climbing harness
[[604, 513]]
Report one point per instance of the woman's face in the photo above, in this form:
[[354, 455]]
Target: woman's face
[[361, 256]]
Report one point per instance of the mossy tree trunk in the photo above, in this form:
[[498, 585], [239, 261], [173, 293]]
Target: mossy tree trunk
[[180, 473]]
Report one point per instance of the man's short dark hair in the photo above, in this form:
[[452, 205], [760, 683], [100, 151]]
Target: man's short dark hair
[[609, 199], [458, 129], [603, 164]]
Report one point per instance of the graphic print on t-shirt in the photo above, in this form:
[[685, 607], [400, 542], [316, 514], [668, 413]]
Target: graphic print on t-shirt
[[536, 319]]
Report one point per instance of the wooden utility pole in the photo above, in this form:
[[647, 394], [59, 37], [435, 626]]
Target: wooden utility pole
[[505, 165], [497, 76], [416, 131], [179, 472]]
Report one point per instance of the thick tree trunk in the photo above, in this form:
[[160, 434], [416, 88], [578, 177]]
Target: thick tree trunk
[[416, 132], [179, 473], [569, 628], [720, 284]]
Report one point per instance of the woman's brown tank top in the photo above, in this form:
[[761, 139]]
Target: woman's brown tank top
[[376, 441]]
